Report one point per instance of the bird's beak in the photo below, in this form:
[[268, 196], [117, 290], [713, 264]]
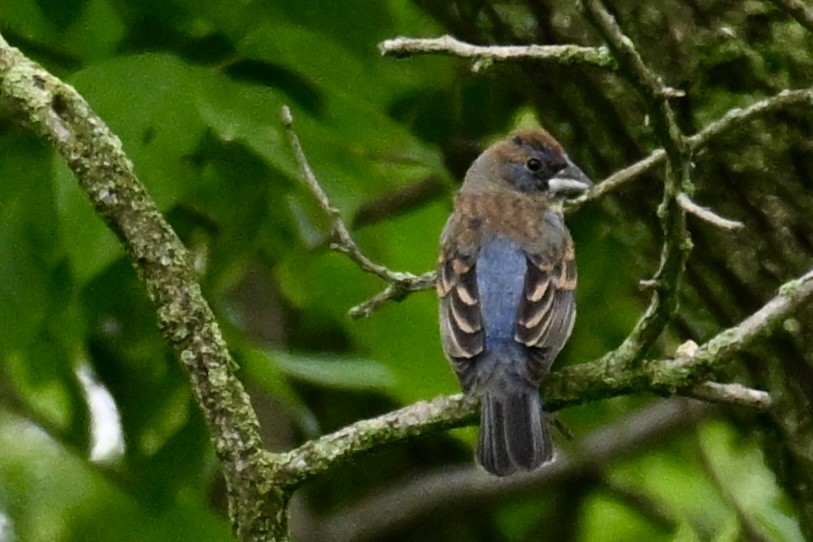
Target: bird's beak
[[570, 181]]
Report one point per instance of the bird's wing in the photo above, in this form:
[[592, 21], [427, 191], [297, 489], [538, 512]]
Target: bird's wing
[[547, 309], [461, 323]]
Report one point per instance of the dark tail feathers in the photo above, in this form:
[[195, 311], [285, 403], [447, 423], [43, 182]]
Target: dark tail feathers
[[513, 436]]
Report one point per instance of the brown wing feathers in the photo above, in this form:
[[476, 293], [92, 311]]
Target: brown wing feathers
[[546, 313], [457, 288]]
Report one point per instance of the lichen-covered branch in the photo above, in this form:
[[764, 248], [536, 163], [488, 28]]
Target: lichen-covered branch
[[319, 455], [456, 487], [445, 412], [59, 114], [448, 45], [608, 378], [689, 373]]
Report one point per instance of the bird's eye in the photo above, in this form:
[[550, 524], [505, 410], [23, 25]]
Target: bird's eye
[[533, 164]]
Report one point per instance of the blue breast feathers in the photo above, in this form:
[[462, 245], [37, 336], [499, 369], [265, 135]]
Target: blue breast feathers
[[501, 268]]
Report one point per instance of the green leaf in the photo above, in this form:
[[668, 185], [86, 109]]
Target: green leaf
[[29, 243], [335, 371], [50, 494]]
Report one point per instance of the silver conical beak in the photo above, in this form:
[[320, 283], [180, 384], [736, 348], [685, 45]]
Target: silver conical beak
[[570, 181]]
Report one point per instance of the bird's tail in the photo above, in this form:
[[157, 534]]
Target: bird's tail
[[513, 433]]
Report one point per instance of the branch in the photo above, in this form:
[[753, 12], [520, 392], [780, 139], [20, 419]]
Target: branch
[[731, 394], [60, 115], [707, 215], [606, 377], [676, 244], [413, 498], [731, 119], [686, 374], [447, 45], [734, 117], [320, 455], [400, 283]]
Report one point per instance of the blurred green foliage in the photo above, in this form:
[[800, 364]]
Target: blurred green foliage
[[194, 89]]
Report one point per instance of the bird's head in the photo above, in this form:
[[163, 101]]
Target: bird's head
[[529, 161]]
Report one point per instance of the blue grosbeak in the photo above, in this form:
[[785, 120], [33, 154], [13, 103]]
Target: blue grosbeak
[[506, 282]]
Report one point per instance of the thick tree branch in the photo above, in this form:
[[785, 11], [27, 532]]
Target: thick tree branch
[[447, 45], [59, 114], [322, 454]]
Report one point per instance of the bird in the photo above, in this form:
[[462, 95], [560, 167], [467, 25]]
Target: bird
[[506, 283]]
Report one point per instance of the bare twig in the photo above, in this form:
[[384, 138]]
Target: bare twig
[[413, 498], [731, 394], [400, 282], [393, 292], [447, 45], [707, 215]]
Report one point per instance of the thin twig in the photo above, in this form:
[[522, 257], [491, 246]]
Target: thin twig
[[676, 243], [707, 215], [394, 291], [731, 119], [448, 45], [401, 283], [731, 394]]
